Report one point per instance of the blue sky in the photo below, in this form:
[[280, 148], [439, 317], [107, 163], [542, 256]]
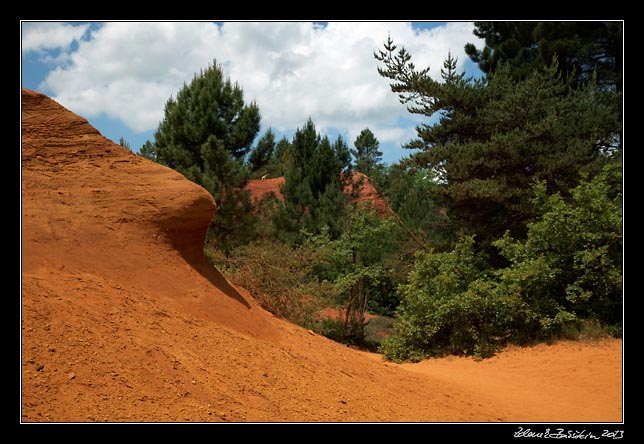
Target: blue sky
[[120, 75]]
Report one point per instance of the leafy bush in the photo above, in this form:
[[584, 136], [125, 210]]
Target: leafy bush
[[448, 307], [278, 277], [570, 266], [330, 328], [565, 274]]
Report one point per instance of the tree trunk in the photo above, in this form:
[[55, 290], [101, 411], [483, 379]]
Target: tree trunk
[[354, 318]]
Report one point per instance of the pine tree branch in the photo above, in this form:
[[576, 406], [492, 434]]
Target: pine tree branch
[[405, 227]]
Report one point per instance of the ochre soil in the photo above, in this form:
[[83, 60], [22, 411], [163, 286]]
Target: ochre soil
[[366, 192], [258, 188], [123, 320]]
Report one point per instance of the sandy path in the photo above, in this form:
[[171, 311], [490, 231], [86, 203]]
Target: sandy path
[[565, 382]]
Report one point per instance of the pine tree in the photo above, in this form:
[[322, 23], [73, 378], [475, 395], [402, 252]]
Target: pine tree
[[206, 132], [366, 153], [281, 152], [328, 174], [498, 135], [413, 195], [124, 143], [581, 48], [343, 155], [263, 152], [209, 114], [148, 151], [314, 183]]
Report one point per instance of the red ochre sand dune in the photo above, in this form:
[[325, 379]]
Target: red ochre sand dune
[[123, 320]]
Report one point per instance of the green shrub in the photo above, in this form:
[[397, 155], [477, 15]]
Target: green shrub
[[570, 266], [278, 277], [330, 328], [563, 280], [437, 314]]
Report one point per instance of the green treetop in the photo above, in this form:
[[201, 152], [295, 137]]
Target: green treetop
[[207, 122], [314, 183], [366, 153], [263, 152], [580, 47]]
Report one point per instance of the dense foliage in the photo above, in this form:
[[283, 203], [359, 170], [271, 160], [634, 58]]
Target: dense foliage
[[356, 264], [413, 195], [316, 173], [566, 271], [528, 162], [584, 49]]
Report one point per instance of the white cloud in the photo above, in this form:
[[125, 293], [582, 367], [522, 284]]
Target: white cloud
[[39, 36], [292, 70], [129, 70]]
